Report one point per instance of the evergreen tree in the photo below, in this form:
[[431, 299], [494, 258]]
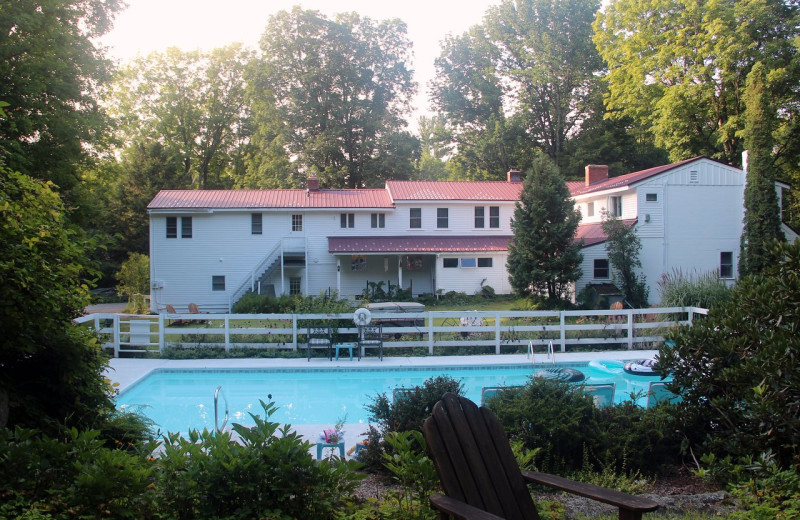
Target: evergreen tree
[[623, 247], [762, 217], [544, 258]]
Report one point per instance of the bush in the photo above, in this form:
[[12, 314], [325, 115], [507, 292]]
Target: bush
[[738, 369], [252, 303], [704, 290]]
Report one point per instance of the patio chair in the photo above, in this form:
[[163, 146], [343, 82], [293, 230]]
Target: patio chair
[[370, 336], [320, 337], [657, 392], [194, 309], [171, 310], [487, 392], [480, 477], [602, 393]]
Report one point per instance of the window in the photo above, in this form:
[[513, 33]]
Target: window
[[601, 268], [415, 220], [726, 264], [294, 285], [651, 197], [590, 209], [217, 283], [441, 218], [616, 206], [255, 224], [378, 220], [449, 262], [479, 217], [347, 220], [297, 222], [172, 227], [468, 263], [494, 216], [186, 227], [485, 262]]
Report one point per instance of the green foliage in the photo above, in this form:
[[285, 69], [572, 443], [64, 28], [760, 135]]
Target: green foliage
[[252, 303], [623, 247], [134, 281], [737, 369], [50, 370], [762, 223], [407, 461], [766, 492], [312, 101], [543, 258], [703, 290]]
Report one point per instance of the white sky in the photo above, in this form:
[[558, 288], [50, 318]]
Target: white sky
[[155, 25]]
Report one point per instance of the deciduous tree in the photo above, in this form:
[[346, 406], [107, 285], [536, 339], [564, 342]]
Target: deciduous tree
[[543, 257], [623, 247]]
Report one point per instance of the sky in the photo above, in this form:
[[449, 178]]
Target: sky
[[154, 25]]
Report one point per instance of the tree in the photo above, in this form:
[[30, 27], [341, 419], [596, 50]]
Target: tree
[[50, 370], [543, 257], [134, 281], [623, 247], [50, 71], [762, 223], [330, 96], [678, 68], [738, 369], [193, 104]]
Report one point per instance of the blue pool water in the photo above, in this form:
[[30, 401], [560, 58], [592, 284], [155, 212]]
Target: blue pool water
[[179, 400]]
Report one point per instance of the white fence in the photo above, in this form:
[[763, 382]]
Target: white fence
[[436, 331]]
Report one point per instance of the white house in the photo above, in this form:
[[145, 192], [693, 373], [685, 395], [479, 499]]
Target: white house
[[210, 247]]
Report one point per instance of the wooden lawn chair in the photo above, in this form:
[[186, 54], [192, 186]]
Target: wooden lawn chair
[[480, 476], [171, 310]]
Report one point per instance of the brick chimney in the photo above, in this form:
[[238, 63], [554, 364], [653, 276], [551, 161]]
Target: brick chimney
[[596, 173], [312, 184], [514, 175]]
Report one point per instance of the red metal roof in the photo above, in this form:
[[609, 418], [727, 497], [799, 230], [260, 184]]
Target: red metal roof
[[454, 190], [592, 234], [628, 179], [255, 199], [421, 244]]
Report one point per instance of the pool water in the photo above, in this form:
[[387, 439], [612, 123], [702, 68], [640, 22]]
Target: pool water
[[179, 400]]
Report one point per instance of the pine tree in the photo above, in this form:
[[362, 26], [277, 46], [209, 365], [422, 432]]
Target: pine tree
[[543, 258], [762, 216]]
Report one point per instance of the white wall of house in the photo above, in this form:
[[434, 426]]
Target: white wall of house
[[469, 273]]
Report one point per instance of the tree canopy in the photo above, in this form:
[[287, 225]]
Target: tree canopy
[[330, 96]]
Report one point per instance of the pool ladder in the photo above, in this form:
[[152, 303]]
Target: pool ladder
[[217, 427], [551, 353]]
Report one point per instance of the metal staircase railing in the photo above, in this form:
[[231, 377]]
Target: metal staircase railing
[[267, 264]]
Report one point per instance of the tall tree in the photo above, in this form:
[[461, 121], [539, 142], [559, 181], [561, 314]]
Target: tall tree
[[50, 70], [623, 247], [543, 257], [193, 104], [762, 225], [678, 67], [330, 96]]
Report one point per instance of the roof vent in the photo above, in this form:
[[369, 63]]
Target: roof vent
[[596, 173], [514, 175]]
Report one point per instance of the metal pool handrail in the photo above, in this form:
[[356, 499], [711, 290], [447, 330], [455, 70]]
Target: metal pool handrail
[[217, 427]]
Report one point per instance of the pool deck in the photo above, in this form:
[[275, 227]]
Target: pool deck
[[126, 371]]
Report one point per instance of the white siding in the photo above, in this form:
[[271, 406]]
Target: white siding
[[469, 280]]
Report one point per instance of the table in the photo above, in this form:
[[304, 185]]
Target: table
[[348, 346], [322, 445]]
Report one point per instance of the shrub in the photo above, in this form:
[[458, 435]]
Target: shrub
[[738, 369], [704, 290], [252, 303]]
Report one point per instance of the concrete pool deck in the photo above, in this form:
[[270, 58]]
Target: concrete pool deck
[[124, 372]]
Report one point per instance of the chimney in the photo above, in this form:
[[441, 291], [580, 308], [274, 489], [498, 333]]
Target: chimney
[[313, 183], [514, 175], [596, 173]]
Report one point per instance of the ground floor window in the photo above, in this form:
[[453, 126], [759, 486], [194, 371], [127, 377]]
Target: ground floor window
[[449, 262], [294, 285], [217, 283], [484, 262], [601, 268], [726, 264]]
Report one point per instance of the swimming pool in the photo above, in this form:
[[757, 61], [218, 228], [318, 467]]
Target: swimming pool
[[179, 400]]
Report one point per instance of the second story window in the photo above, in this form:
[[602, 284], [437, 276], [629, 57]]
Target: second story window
[[479, 217], [186, 227], [347, 220], [172, 227], [494, 216], [256, 224], [415, 218], [297, 222], [378, 220], [616, 206], [442, 218], [590, 209]]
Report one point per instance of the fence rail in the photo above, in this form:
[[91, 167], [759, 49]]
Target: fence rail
[[437, 331]]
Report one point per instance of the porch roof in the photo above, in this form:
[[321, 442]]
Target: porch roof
[[418, 244], [593, 233]]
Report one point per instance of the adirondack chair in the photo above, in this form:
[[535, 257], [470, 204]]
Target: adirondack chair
[[480, 477]]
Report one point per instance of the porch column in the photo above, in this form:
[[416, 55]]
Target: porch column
[[339, 276], [399, 271]]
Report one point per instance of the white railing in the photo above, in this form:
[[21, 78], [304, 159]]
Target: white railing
[[276, 254], [437, 331]]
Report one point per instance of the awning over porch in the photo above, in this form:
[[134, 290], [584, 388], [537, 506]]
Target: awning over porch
[[418, 244]]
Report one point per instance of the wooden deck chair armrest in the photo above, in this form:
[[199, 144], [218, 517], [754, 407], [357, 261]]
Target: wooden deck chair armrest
[[450, 507], [630, 507]]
